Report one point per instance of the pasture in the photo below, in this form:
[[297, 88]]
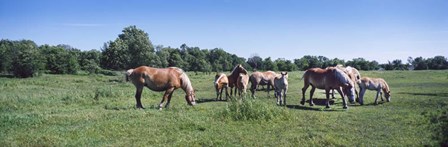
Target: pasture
[[98, 110]]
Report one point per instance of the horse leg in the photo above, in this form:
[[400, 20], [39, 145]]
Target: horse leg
[[311, 95], [327, 95], [376, 98], [138, 96], [303, 93], [357, 96], [220, 93], [332, 94], [169, 99], [217, 91], [253, 87], [165, 97], [227, 93], [361, 95], [284, 96], [381, 95], [344, 103]]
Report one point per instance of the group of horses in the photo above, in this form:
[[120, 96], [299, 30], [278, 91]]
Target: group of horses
[[339, 78]]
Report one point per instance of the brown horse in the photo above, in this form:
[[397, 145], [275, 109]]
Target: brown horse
[[376, 84], [261, 78], [221, 83], [329, 78], [161, 79], [241, 85], [233, 77]]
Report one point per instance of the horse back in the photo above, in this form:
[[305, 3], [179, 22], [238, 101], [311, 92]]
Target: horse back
[[157, 79]]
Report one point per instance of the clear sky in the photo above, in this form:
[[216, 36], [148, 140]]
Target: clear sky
[[378, 30]]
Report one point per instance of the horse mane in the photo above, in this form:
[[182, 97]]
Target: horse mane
[[184, 80], [233, 70], [385, 86]]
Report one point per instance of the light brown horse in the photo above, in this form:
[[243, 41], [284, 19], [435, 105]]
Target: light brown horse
[[161, 79], [221, 83], [377, 84], [241, 84], [329, 78], [261, 78], [233, 77]]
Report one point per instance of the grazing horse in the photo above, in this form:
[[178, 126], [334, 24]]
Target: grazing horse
[[354, 75], [329, 78], [281, 85], [261, 78], [377, 84], [241, 84], [161, 79], [221, 83], [233, 77]]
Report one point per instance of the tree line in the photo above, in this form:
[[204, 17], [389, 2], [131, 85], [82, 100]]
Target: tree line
[[133, 48]]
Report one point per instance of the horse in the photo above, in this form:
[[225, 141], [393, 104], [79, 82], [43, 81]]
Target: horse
[[354, 75], [161, 79], [233, 77], [221, 83], [281, 85], [261, 78], [377, 84], [329, 78], [241, 84]]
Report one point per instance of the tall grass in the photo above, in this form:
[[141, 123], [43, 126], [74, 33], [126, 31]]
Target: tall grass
[[249, 109]]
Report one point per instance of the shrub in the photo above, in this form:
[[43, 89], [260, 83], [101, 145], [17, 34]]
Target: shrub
[[246, 109]]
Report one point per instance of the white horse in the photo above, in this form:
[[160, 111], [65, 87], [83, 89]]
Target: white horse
[[377, 84], [353, 74], [281, 85]]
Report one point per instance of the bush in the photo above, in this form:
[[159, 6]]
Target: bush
[[246, 109]]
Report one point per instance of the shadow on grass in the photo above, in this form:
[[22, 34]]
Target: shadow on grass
[[208, 100], [6, 76], [426, 94], [302, 107]]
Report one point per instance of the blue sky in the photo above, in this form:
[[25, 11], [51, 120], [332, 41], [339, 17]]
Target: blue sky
[[378, 30]]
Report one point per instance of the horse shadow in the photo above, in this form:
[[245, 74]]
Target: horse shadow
[[302, 107], [209, 100], [426, 94]]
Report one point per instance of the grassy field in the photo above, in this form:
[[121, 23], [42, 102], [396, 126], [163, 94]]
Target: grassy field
[[97, 110]]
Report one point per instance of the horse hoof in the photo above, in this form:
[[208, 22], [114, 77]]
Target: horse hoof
[[302, 102], [345, 107], [312, 104], [327, 107]]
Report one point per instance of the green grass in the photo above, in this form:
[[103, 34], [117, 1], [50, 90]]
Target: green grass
[[96, 110]]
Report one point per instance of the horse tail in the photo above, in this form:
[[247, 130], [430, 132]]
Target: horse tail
[[128, 74]]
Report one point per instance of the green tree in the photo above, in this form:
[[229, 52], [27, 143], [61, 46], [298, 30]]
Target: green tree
[[131, 49], [256, 62], [59, 60], [269, 65], [26, 60]]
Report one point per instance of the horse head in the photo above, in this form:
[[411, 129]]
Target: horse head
[[387, 95], [191, 98], [241, 69]]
